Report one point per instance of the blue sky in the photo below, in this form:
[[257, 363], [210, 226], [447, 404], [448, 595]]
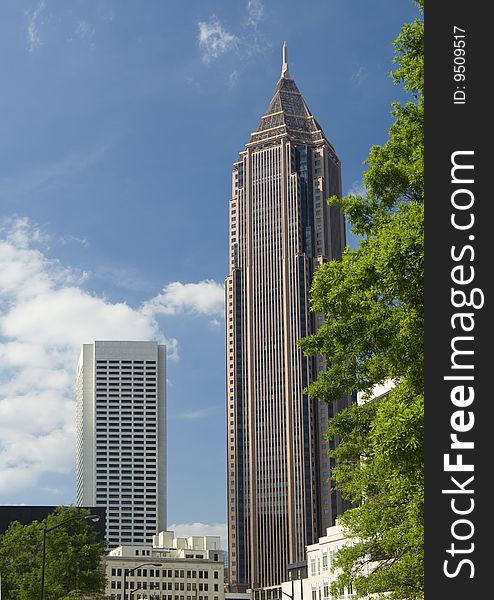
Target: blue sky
[[120, 124]]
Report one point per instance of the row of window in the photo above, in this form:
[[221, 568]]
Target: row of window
[[176, 573], [125, 371], [126, 415], [117, 387], [157, 596], [136, 376], [153, 514], [127, 444], [137, 513], [322, 562], [137, 498], [116, 373], [109, 380], [324, 593], [165, 585], [121, 395], [135, 366], [116, 540], [137, 382], [127, 529], [125, 438], [107, 401], [102, 361]]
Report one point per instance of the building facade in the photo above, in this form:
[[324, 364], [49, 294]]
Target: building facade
[[167, 569], [121, 437], [378, 391], [281, 230], [321, 574]]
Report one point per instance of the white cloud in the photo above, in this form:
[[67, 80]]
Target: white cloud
[[70, 316], [360, 75], [69, 239], [52, 491], [45, 317], [193, 82], [357, 188], [203, 298], [193, 415], [214, 40], [190, 529], [106, 12], [255, 12], [126, 278], [33, 36], [233, 79], [85, 31], [55, 173]]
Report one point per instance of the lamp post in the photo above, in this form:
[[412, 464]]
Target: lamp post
[[93, 518], [129, 571]]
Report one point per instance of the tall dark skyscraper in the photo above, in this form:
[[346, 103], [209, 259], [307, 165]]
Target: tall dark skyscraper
[[281, 230]]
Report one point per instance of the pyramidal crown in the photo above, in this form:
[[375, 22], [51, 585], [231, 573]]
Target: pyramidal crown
[[287, 114]]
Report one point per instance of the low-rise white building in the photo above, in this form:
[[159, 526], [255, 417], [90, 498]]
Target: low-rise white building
[[378, 391], [316, 582], [171, 568]]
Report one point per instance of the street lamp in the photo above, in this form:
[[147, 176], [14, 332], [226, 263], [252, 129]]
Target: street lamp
[[129, 571], [93, 518]]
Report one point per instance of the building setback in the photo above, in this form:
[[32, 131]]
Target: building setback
[[121, 437], [281, 230]]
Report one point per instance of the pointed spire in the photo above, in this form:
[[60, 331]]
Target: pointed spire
[[284, 69]]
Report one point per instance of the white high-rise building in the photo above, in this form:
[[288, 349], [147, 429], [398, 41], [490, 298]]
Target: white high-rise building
[[121, 437]]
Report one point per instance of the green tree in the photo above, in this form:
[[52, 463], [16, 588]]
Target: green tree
[[73, 565], [373, 332]]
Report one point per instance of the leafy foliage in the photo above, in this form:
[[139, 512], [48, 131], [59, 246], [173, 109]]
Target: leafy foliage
[[373, 332], [73, 567]]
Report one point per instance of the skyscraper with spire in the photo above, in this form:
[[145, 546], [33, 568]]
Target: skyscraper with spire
[[281, 230]]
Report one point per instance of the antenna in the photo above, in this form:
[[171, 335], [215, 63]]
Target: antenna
[[284, 68]]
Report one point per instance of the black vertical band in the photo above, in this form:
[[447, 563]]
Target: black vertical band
[[458, 294]]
